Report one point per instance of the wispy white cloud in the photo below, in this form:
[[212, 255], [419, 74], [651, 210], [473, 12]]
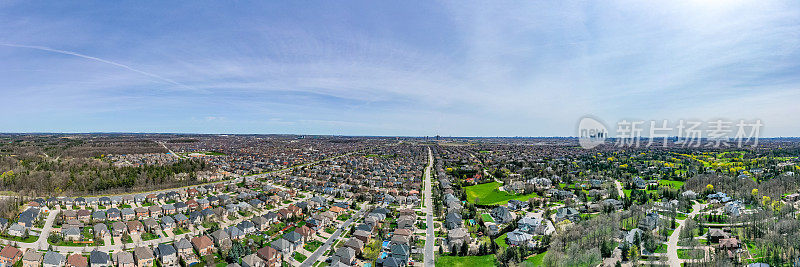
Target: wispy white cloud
[[151, 75], [452, 68]]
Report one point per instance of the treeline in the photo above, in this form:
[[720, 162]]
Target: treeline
[[43, 176], [743, 188], [59, 146]]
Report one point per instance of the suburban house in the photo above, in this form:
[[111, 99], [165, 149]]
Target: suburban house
[[294, 238], [124, 259], [118, 229], [99, 259], [77, 260], [144, 256], [32, 258], [9, 255], [185, 251], [203, 245], [270, 255], [284, 247], [167, 255], [53, 259], [252, 260]]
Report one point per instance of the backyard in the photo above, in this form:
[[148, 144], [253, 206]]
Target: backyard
[[469, 261]]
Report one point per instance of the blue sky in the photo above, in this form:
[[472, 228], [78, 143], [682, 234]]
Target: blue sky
[[488, 68]]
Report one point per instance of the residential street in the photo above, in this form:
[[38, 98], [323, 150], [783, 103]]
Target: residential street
[[429, 237], [672, 245], [313, 258]]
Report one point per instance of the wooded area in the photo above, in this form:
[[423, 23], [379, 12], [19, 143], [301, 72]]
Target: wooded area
[[62, 166]]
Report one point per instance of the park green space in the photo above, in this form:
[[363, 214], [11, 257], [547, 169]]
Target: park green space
[[489, 194]]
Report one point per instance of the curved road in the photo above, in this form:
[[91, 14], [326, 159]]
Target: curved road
[[672, 244]]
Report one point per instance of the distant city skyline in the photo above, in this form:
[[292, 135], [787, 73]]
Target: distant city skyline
[[362, 68]]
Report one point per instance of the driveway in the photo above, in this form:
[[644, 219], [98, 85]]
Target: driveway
[[672, 244]]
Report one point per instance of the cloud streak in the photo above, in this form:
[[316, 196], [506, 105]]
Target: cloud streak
[[64, 52]]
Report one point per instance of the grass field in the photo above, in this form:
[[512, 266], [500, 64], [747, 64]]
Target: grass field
[[535, 260], [488, 194], [469, 261], [673, 184], [487, 218]]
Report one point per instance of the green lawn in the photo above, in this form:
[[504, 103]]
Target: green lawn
[[488, 194], [299, 257], [148, 236], [469, 261], [312, 246], [501, 241], [673, 184], [536, 260], [179, 231], [688, 254], [487, 218], [661, 249], [28, 239]]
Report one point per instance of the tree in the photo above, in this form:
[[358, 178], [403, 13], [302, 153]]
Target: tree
[[236, 252], [605, 249], [633, 253]]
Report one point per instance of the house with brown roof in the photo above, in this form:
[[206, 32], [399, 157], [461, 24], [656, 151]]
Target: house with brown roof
[[336, 209], [730, 246], [270, 256], [134, 227], [715, 235], [155, 211], [9, 255], [84, 216], [306, 232], [77, 260], [142, 212], [296, 211], [192, 204], [203, 245], [284, 214], [362, 235]]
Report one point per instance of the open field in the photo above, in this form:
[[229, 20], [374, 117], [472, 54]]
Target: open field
[[489, 194]]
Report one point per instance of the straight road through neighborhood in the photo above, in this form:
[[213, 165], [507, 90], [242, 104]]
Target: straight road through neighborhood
[[429, 236]]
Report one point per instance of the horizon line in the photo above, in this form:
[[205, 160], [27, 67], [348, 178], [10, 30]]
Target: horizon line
[[341, 135]]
